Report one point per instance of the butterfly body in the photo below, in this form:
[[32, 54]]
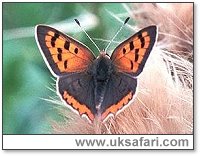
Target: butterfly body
[[101, 68], [95, 86], [101, 71]]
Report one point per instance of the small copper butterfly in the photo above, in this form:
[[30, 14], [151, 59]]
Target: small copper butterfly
[[95, 86]]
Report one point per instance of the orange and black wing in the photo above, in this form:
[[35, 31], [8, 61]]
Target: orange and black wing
[[69, 60], [128, 59], [131, 56], [62, 53], [78, 91], [120, 90]]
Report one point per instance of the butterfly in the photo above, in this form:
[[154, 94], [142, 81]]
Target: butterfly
[[95, 87]]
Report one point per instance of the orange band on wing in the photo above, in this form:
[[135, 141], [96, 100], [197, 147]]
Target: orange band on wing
[[81, 108], [116, 107]]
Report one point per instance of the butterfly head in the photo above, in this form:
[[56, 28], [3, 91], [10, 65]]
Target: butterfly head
[[101, 67]]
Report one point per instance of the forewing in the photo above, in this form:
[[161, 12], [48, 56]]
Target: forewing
[[62, 53], [131, 55]]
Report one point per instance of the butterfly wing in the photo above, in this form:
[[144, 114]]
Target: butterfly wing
[[128, 59], [119, 92], [131, 56], [69, 60], [62, 53], [78, 91]]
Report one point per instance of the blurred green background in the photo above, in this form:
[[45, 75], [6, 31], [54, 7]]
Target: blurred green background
[[26, 78]]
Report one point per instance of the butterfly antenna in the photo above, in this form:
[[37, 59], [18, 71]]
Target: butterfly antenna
[[127, 19], [86, 34]]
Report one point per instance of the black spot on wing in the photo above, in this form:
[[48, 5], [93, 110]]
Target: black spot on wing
[[65, 64], [59, 50], [142, 42], [67, 44], [53, 43], [131, 45], [56, 35], [76, 50], [53, 39], [59, 57], [124, 50], [136, 54], [131, 65]]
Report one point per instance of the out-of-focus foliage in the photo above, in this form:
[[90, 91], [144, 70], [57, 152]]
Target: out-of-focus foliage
[[26, 77]]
